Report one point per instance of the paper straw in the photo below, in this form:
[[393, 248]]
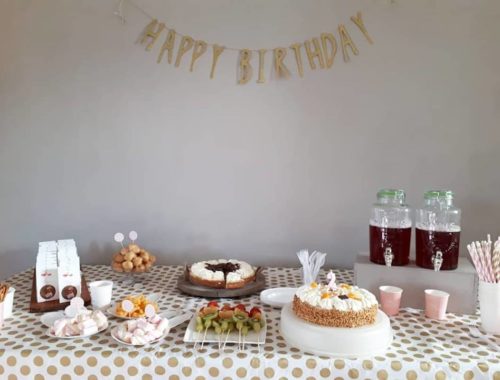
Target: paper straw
[[482, 257], [489, 260], [481, 270], [475, 261], [496, 264]]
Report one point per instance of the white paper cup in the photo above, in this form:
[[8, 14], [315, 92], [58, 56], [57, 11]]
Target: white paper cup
[[8, 303], [436, 302], [100, 293], [489, 305]]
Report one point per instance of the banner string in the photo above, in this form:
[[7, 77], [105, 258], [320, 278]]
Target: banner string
[[119, 14]]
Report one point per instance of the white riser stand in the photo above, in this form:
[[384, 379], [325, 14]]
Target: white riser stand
[[461, 283]]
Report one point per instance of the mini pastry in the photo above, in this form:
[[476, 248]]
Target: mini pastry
[[132, 259]]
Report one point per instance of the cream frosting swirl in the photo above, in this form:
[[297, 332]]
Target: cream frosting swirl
[[322, 296]]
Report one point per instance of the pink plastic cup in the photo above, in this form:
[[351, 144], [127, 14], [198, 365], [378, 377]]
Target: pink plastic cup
[[390, 299], [436, 302]]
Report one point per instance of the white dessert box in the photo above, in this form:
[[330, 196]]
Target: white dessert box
[[69, 278], [46, 272], [58, 271]]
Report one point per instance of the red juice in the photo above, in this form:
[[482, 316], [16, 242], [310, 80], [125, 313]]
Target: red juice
[[429, 242], [398, 239]]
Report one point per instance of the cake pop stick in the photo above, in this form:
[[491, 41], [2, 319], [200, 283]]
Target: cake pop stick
[[133, 236], [119, 238]]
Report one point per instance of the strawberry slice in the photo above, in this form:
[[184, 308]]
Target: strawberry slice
[[213, 304], [254, 312], [240, 306]]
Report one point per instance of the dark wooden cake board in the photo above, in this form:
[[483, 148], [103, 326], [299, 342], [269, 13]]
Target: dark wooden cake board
[[185, 286], [43, 307]]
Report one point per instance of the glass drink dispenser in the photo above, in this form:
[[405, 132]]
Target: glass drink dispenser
[[438, 231], [390, 229]]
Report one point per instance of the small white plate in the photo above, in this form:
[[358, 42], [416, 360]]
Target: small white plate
[[76, 336], [277, 297], [111, 310], [174, 320], [48, 319], [253, 337], [115, 337]]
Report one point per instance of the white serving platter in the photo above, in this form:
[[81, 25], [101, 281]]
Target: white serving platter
[[48, 319], [253, 337], [336, 342], [277, 297]]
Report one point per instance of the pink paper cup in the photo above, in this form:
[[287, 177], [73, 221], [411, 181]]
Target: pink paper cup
[[390, 299], [436, 302]]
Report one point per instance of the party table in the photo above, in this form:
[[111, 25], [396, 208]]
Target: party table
[[422, 348]]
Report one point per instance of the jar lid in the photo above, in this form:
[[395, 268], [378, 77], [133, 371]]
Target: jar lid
[[396, 194], [438, 194]]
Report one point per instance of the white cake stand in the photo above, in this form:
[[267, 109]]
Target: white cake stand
[[338, 342]]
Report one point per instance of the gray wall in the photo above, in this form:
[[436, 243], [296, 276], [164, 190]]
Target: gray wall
[[97, 138]]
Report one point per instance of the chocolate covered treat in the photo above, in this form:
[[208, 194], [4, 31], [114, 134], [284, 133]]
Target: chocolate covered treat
[[220, 274]]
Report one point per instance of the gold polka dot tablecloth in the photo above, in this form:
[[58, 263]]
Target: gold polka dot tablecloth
[[422, 348]]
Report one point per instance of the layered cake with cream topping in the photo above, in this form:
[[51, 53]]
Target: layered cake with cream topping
[[222, 273], [335, 305]]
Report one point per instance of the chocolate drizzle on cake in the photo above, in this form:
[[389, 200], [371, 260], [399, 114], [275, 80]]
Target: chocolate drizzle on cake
[[223, 267], [343, 297]]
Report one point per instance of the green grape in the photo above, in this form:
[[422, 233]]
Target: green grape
[[199, 327], [239, 325], [198, 319], [208, 323], [224, 325], [244, 330], [218, 330], [210, 316], [256, 326]]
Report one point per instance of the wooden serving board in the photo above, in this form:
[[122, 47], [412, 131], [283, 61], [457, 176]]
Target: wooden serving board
[[43, 307], [185, 286]]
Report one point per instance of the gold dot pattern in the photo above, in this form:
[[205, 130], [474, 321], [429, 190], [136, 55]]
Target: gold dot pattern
[[422, 348]]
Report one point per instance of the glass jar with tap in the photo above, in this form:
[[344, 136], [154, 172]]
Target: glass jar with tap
[[390, 229]]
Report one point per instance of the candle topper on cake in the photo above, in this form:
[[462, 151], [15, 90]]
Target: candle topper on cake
[[331, 278]]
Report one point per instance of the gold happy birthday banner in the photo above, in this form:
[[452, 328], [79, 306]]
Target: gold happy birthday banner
[[319, 51]]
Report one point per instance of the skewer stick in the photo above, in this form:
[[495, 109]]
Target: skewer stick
[[239, 339], [225, 341], [204, 337]]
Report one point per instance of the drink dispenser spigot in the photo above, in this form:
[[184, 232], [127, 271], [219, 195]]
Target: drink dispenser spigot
[[388, 257], [390, 229], [437, 260], [438, 231]]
